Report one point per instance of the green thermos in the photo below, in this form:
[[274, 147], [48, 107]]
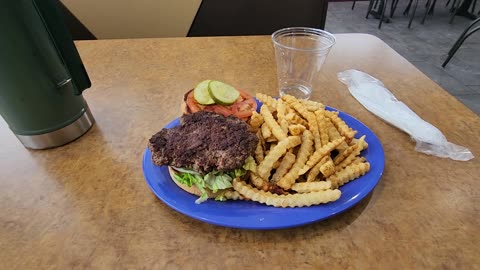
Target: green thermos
[[41, 75]]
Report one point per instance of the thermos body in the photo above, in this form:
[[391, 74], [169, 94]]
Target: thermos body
[[40, 95]]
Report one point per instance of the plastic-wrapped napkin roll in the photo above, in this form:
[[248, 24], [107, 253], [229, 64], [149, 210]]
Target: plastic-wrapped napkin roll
[[373, 95]]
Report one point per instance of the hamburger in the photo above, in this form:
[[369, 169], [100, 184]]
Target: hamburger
[[205, 152]]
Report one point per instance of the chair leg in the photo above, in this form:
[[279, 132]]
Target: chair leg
[[384, 6], [454, 13], [407, 9], [459, 43], [430, 12], [353, 5], [415, 4], [463, 34], [393, 7], [426, 13], [370, 5]]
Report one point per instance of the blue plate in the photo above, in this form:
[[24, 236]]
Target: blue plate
[[253, 215]]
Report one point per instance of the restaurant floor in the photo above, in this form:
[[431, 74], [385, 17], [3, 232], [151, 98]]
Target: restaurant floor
[[426, 46]]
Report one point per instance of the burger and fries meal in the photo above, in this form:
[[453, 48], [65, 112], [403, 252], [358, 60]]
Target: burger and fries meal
[[292, 153]]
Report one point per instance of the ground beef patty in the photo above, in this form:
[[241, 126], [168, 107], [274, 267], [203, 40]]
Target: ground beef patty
[[204, 142]]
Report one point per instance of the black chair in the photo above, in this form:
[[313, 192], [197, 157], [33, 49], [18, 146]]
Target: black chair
[[256, 17], [468, 32], [380, 12]]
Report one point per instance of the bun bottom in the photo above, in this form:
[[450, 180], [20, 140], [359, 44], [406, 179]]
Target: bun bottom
[[193, 189]]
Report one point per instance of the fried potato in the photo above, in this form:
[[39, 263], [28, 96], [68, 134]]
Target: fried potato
[[327, 168], [315, 170], [259, 182], [344, 154], [295, 164], [313, 127], [341, 126], [233, 195], [256, 120], [283, 168], [317, 155], [348, 174], [290, 200], [294, 118], [312, 105], [259, 153], [281, 113], [296, 129], [267, 100], [306, 187], [333, 134], [322, 126], [348, 160], [266, 132], [272, 124], [306, 149], [264, 168], [296, 104]]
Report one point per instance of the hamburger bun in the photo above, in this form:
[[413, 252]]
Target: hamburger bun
[[193, 189], [183, 106]]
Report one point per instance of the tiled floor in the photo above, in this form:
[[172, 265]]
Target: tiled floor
[[425, 46]]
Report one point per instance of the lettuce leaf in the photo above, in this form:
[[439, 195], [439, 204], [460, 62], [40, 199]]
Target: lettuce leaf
[[214, 181]]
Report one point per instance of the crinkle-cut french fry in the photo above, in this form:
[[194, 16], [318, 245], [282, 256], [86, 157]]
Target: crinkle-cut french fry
[[322, 126], [359, 160], [233, 195], [348, 160], [256, 120], [313, 127], [344, 154], [296, 129], [272, 124], [315, 170], [283, 125], [281, 110], [355, 141], [283, 168], [312, 105], [348, 174], [328, 168], [259, 182], [296, 104], [271, 139], [306, 149], [333, 134], [267, 100], [259, 153], [264, 168], [290, 200], [266, 132], [307, 187], [276, 164], [294, 118], [341, 126], [318, 155]]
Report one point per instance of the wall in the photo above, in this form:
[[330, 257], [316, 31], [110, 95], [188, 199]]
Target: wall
[[108, 19]]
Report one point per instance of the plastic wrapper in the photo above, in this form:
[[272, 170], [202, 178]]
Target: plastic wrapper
[[373, 95]]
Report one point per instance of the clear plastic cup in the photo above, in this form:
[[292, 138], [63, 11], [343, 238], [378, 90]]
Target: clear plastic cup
[[300, 53]]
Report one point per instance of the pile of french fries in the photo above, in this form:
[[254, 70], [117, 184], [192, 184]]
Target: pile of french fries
[[305, 153]]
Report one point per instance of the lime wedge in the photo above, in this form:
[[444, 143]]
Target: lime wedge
[[223, 93], [201, 94]]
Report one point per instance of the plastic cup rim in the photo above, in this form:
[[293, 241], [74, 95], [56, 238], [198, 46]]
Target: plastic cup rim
[[308, 30]]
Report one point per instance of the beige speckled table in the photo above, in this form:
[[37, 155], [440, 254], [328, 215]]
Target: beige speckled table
[[86, 205]]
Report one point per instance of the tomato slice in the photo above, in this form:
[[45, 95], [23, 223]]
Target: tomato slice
[[242, 108], [192, 104]]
